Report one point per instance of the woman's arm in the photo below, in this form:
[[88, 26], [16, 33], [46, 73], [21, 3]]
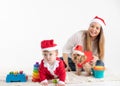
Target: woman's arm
[[75, 39], [65, 58]]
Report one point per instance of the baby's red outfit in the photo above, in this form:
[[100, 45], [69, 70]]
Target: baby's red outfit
[[58, 71]]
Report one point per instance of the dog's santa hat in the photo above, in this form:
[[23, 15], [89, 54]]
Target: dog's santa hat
[[78, 50], [48, 45], [100, 21]]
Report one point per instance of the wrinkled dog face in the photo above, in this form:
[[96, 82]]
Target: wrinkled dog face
[[77, 58]]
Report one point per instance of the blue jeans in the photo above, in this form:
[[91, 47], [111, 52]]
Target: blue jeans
[[70, 63]]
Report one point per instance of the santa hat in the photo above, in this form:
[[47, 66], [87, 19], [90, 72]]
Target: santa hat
[[100, 21], [78, 49], [48, 45]]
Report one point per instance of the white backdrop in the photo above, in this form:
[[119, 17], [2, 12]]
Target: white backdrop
[[24, 23]]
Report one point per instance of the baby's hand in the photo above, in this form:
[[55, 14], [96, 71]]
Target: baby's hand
[[44, 84], [59, 84]]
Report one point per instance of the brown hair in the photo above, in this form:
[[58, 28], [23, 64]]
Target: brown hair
[[99, 43]]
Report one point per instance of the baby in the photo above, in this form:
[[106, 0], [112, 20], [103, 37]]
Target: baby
[[51, 66], [82, 60]]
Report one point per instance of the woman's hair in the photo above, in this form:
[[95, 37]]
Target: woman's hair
[[99, 43]]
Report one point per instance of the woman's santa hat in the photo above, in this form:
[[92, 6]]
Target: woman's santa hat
[[48, 45], [100, 21], [78, 50]]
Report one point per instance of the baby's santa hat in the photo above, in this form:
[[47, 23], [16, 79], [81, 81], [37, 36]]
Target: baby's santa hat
[[100, 21], [48, 45], [78, 50]]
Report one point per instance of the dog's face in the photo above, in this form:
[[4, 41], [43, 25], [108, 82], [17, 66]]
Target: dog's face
[[77, 58]]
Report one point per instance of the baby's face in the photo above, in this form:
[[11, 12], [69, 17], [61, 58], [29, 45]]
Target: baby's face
[[50, 56]]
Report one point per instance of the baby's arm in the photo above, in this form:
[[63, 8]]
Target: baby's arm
[[62, 75], [43, 80], [44, 83]]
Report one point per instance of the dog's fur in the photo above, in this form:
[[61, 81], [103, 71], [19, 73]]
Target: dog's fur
[[80, 59]]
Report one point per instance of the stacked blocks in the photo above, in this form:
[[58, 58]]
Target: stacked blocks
[[36, 76], [98, 70], [16, 77]]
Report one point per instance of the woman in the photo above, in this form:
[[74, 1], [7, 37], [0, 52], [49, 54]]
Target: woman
[[91, 40]]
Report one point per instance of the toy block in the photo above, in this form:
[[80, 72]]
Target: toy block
[[16, 77], [98, 69], [36, 75]]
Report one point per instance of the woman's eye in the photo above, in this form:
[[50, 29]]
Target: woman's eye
[[97, 28], [92, 26]]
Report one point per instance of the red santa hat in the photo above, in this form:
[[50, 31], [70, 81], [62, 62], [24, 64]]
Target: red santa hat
[[48, 45], [100, 21], [78, 50]]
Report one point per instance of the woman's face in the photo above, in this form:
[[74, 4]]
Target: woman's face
[[50, 56], [94, 29]]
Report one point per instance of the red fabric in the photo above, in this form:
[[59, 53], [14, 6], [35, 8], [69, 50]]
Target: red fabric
[[96, 17], [89, 58], [78, 48], [47, 44], [45, 74]]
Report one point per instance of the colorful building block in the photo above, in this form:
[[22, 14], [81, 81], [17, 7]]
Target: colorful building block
[[16, 77], [98, 69], [36, 75]]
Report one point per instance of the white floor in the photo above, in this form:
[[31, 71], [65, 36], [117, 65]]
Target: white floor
[[80, 84], [72, 80]]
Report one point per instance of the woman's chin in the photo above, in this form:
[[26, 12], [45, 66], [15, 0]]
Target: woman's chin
[[93, 36]]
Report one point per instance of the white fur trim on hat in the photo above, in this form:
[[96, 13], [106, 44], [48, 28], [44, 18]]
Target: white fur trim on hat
[[78, 52], [50, 48], [99, 21]]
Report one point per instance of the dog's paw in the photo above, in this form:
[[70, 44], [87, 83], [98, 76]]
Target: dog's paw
[[78, 73]]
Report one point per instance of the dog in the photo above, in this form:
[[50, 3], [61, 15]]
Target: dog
[[82, 60]]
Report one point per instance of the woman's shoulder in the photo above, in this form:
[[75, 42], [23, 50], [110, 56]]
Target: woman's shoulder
[[80, 32]]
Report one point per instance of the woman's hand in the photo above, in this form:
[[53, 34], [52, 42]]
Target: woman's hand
[[68, 68], [65, 58], [95, 58]]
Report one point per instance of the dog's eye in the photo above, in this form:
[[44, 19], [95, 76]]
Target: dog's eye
[[78, 55]]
